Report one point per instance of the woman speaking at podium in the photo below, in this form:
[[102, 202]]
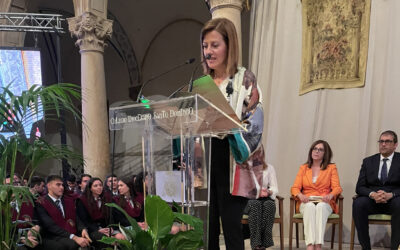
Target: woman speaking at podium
[[232, 182]]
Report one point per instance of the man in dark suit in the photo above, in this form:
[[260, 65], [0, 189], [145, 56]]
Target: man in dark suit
[[58, 220], [378, 190]]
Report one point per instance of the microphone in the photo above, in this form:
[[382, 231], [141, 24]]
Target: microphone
[[189, 61], [208, 56]]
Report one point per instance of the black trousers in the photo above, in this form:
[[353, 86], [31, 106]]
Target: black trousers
[[59, 243], [364, 206], [95, 237], [261, 220], [222, 203]]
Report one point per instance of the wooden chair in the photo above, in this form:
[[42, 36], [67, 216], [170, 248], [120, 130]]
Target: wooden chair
[[278, 219], [377, 219], [333, 219]]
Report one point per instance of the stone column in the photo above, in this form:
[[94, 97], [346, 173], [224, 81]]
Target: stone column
[[229, 9], [91, 28]]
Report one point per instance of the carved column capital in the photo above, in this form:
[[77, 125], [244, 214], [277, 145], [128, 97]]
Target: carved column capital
[[217, 4], [90, 30]]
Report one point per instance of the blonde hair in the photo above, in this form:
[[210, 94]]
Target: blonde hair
[[227, 29]]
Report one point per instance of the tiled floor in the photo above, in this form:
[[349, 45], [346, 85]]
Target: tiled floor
[[301, 247]]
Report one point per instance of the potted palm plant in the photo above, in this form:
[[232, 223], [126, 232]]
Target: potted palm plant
[[15, 112]]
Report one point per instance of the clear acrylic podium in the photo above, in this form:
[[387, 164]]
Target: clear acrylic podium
[[171, 141]]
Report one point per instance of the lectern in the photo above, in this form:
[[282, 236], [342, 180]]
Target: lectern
[[171, 142]]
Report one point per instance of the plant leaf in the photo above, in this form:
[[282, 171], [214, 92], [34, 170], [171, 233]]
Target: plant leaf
[[144, 241], [132, 221], [191, 220], [159, 216], [186, 240]]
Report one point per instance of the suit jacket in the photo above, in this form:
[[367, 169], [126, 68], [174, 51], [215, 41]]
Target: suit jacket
[[51, 220], [135, 212], [94, 217], [26, 213], [368, 180], [327, 183]]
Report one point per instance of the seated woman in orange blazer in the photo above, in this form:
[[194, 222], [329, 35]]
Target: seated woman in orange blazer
[[316, 186]]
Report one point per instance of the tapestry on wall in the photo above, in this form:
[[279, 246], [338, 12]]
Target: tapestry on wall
[[335, 44]]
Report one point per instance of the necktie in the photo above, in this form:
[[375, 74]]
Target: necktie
[[384, 171], [98, 200], [58, 204]]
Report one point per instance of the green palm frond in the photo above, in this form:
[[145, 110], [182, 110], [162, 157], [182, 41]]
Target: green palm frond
[[16, 111], [51, 101]]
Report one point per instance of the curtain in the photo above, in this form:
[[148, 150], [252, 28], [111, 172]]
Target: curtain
[[351, 120]]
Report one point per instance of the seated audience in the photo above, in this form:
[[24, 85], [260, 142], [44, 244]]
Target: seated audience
[[23, 214], [71, 183], [129, 200], [25, 181], [29, 239], [58, 220], [71, 188], [317, 177], [112, 185], [378, 190], [262, 211], [16, 180], [140, 185], [94, 214], [82, 182], [36, 186]]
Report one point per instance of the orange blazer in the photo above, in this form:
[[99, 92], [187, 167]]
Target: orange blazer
[[327, 183]]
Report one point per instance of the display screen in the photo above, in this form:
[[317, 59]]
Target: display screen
[[20, 68]]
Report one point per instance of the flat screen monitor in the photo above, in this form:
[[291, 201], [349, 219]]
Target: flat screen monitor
[[20, 68]]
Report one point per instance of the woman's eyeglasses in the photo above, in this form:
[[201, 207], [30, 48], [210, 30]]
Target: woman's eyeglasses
[[318, 150]]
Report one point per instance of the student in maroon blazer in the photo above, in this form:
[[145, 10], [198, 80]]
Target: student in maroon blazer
[[94, 214], [130, 200], [25, 213], [58, 220]]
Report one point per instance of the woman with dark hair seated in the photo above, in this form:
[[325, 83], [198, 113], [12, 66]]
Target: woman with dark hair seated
[[316, 187], [129, 200], [94, 214]]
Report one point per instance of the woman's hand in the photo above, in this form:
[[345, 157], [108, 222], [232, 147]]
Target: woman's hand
[[119, 236], [142, 225], [327, 198], [106, 231], [303, 198], [264, 192]]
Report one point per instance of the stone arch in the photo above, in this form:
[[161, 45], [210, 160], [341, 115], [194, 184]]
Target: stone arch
[[159, 56], [163, 29]]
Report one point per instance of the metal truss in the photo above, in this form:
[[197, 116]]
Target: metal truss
[[28, 22]]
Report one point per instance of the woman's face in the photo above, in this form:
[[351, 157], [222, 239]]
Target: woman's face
[[318, 152], [215, 46], [97, 188], [112, 181], [123, 189]]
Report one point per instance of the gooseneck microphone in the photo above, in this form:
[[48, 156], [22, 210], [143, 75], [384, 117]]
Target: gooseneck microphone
[[208, 56], [189, 61]]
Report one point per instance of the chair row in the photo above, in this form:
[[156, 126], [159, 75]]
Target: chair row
[[296, 218]]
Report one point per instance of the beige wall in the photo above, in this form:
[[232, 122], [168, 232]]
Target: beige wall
[[349, 119]]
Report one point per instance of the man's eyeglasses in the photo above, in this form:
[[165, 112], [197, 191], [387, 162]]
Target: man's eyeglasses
[[385, 141], [318, 149]]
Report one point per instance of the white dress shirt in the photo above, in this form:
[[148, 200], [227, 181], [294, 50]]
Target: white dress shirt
[[269, 181]]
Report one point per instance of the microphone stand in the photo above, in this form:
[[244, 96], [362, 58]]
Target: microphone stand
[[190, 61], [191, 77], [190, 81]]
